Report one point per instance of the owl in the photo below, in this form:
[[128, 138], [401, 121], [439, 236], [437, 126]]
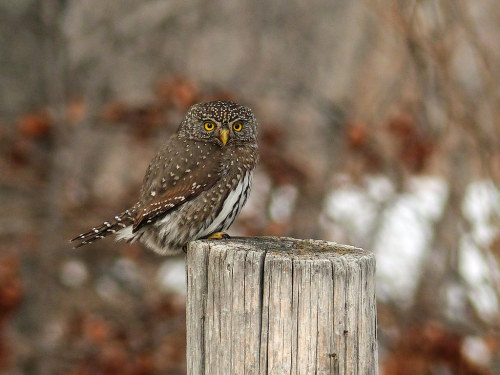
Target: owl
[[196, 184]]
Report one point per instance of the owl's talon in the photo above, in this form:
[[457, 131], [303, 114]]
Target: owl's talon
[[218, 236]]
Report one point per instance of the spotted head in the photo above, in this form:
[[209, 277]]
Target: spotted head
[[221, 122]]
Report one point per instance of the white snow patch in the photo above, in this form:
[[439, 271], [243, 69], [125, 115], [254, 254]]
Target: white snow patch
[[171, 276], [481, 207], [474, 268], [352, 208], [405, 232], [73, 273], [282, 202], [379, 188], [476, 350]]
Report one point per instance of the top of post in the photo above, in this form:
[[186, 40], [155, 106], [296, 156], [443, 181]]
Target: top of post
[[286, 246]]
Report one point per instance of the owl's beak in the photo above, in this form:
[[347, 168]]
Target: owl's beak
[[224, 135]]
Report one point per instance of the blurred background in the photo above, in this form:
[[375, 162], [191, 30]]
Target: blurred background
[[379, 128]]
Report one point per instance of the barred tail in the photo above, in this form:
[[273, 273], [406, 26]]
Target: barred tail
[[119, 222]]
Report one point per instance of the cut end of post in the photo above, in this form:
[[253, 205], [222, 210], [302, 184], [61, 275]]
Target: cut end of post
[[285, 245]]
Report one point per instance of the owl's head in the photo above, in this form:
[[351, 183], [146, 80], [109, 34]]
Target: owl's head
[[221, 122]]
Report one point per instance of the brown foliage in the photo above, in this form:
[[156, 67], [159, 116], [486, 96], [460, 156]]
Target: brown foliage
[[35, 125], [413, 146], [143, 118], [11, 294], [178, 92], [367, 157], [117, 346], [279, 165], [423, 349]]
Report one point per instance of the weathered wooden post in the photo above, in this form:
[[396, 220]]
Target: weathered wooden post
[[280, 306]]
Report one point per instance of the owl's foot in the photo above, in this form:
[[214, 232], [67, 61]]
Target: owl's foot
[[218, 236]]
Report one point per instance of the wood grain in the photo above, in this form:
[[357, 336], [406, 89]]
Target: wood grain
[[280, 306]]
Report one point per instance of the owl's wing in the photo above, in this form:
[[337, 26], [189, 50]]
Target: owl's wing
[[173, 178]]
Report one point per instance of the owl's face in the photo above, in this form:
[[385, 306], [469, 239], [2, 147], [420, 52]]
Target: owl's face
[[220, 122]]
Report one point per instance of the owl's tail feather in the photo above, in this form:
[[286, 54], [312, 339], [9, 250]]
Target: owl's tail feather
[[114, 225]]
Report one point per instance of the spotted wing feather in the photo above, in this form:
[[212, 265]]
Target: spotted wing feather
[[175, 177]]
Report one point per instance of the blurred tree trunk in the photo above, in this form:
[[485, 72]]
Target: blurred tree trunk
[[43, 265]]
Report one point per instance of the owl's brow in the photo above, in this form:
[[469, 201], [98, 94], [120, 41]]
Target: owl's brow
[[225, 120], [203, 118]]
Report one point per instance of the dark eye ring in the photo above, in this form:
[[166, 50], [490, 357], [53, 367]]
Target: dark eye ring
[[209, 126], [237, 126]]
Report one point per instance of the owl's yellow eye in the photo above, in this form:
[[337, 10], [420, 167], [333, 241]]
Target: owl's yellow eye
[[237, 126], [209, 126]]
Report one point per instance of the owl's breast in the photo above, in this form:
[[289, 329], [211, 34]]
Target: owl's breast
[[239, 159]]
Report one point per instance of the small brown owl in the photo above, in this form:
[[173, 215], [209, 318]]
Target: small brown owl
[[196, 184]]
